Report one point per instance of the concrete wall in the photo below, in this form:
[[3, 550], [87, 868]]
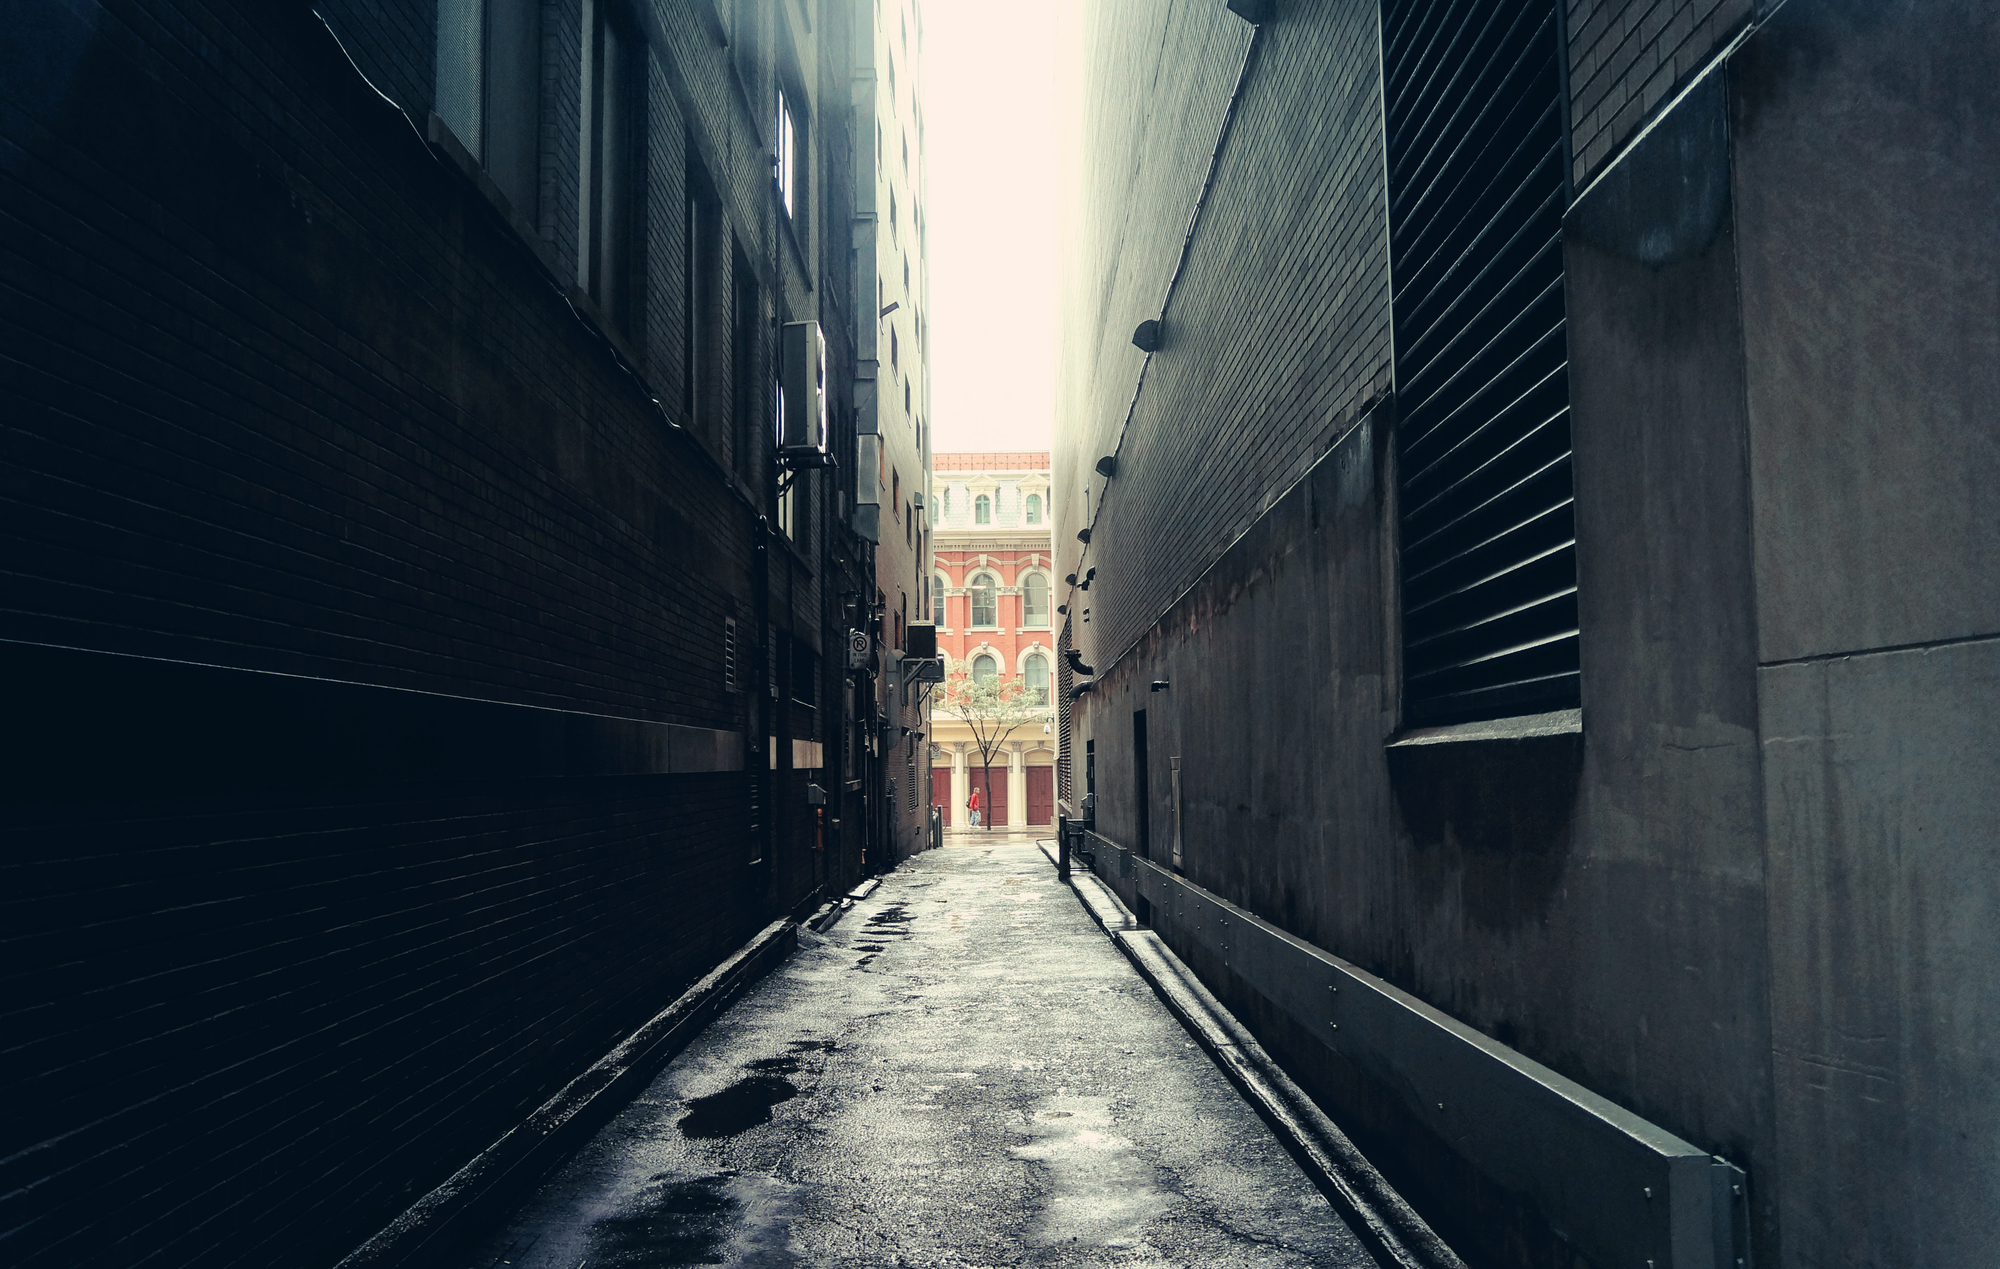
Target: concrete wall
[[1866, 147], [1752, 898]]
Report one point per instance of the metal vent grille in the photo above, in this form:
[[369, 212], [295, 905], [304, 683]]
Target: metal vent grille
[[1476, 153], [729, 654], [1065, 688]]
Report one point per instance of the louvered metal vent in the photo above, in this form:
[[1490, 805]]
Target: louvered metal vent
[[729, 654], [1476, 152], [1065, 688]]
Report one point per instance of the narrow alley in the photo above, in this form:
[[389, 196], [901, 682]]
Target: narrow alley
[[962, 1071]]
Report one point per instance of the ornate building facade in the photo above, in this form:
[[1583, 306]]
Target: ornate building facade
[[991, 595]]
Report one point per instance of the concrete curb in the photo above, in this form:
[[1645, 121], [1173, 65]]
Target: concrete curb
[[436, 1223], [1377, 1213], [829, 916]]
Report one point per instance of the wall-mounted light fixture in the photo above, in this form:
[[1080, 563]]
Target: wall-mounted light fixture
[[1107, 466], [1062, 609], [1147, 337], [1070, 580], [1159, 685], [1083, 536]]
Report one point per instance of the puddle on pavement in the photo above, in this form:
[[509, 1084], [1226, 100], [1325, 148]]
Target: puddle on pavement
[[738, 1108], [677, 1223], [891, 916]]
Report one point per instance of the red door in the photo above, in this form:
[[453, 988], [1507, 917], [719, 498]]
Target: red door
[[993, 803], [941, 791], [1041, 795]]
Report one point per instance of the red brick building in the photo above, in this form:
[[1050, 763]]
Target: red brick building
[[992, 597]]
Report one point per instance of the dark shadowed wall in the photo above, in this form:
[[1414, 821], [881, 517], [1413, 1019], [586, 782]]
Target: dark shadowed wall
[[404, 676]]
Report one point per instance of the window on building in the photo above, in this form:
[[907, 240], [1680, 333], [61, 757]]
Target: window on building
[[984, 668], [937, 601], [1034, 508], [1035, 600], [982, 510], [701, 262], [461, 66], [747, 325], [489, 56], [1035, 670], [985, 607], [612, 141], [787, 165], [792, 499]]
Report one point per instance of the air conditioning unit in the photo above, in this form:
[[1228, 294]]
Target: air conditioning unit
[[804, 382]]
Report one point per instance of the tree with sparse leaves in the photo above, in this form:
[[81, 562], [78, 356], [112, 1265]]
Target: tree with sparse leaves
[[994, 708]]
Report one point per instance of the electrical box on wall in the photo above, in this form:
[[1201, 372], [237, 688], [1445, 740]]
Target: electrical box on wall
[[804, 382]]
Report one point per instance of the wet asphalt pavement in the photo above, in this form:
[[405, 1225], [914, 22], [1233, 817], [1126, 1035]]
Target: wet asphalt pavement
[[963, 1072]]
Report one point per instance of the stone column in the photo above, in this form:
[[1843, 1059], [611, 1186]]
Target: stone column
[[961, 786], [1017, 785]]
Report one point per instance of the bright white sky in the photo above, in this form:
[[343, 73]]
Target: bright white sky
[[990, 139]]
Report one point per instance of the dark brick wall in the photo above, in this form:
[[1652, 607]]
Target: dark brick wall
[[1279, 323], [284, 395], [1627, 56], [249, 1032]]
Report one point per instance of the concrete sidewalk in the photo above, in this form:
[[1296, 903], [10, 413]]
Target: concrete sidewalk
[[964, 1071]]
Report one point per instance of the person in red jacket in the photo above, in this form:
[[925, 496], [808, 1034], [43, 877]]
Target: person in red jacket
[[973, 803]]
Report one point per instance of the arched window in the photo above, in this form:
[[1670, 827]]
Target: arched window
[[1036, 671], [984, 668], [1034, 600], [937, 600], [985, 611], [1034, 508], [982, 510]]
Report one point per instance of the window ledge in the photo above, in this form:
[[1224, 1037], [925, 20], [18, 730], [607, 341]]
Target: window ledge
[[445, 142], [1562, 722]]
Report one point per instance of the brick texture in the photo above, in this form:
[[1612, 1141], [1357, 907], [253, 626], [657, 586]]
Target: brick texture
[[1628, 56], [1279, 324], [281, 392]]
